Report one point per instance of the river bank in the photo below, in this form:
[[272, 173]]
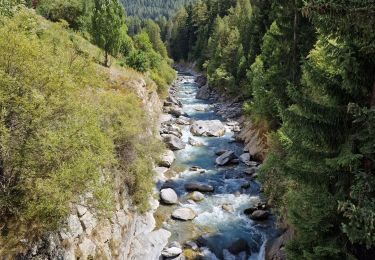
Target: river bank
[[211, 201]]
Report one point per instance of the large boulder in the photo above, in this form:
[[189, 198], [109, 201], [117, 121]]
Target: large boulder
[[204, 92], [197, 186], [201, 80], [168, 196], [184, 214], [167, 159], [259, 215], [225, 158], [208, 128], [174, 143]]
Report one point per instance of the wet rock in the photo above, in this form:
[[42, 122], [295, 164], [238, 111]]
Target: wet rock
[[225, 158], [197, 186], [197, 196], [239, 246], [245, 157], [250, 171], [199, 108], [171, 252], [235, 161], [259, 215], [212, 128], [168, 196], [184, 214], [196, 169], [167, 159], [204, 92], [227, 207], [194, 142], [174, 143], [246, 185]]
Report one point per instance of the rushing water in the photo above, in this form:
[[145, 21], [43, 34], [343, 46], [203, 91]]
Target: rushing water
[[218, 228]]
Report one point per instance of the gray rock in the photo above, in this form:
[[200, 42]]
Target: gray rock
[[245, 157], [194, 142], [201, 80], [259, 215], [225, 158], [74, 226], [89, 222], [81, 210], [167, 159], [174, 143], [197, 186], [197, 196], [213, 128], [168, 196], [204, 92], [184, 214], [171, 252]]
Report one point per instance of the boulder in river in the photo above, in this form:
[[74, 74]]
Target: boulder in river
[[197, 196], [220, 152], [174, 143], [225, 158], [184, 214], [167, 159], [171, 252], [168, 196], [204, 92], [259, 215], [245, 157], [201, 80], [197, 186], [194, 142], [212, 128]]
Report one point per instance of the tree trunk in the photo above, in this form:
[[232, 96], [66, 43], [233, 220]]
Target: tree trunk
[[106, 58]]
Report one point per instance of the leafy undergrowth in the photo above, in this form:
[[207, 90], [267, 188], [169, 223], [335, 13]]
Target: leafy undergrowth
[[64, 129]]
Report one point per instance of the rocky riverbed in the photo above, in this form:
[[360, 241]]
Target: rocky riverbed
[[211, 201]]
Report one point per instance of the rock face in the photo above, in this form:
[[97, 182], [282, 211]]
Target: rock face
[[168, 196], [167, 159], [204, 92], [225, 158], [201, 80], [213, 128], [174, 143], [197, 186], [184, 214]]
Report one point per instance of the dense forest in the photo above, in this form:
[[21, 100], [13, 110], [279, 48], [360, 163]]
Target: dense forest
[[152, 8], [67, 127], [305, 70]]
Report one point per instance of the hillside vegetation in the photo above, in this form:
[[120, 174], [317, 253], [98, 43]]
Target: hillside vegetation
[[67, 127], [305, 70]]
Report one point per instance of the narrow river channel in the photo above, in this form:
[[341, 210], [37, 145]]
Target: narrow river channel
[[221, 228]]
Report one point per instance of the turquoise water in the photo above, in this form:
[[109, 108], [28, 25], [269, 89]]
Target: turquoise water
[[218, 227]]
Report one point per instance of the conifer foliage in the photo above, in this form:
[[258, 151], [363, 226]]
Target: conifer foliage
[[306, 71]]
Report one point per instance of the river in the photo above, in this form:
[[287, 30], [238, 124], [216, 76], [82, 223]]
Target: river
[[220, 220]]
